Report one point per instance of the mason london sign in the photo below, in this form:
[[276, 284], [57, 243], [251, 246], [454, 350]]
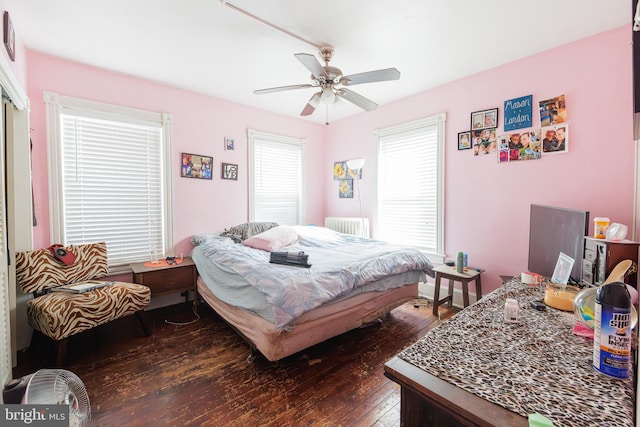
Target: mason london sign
[[517, 113]]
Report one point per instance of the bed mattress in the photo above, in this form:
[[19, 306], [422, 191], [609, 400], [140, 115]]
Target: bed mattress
[[281, 310], [343, 266], [313, 327]]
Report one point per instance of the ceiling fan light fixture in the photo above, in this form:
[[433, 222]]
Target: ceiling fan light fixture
[[328, 97], [327, 80]]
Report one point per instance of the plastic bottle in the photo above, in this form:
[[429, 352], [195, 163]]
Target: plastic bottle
[[459, 262], [612, 330], [511, 310], [600, 225]]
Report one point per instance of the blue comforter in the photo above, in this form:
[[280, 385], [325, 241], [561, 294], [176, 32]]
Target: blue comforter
[[339, 262]]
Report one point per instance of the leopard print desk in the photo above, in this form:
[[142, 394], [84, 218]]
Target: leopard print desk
[[534, 366]]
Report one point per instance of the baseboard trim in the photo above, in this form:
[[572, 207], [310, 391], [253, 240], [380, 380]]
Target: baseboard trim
[[426, 290]]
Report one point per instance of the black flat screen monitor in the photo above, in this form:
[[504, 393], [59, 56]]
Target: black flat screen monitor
[[553, 230]]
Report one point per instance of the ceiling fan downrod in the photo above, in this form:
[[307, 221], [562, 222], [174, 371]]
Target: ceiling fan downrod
[[265, 22]]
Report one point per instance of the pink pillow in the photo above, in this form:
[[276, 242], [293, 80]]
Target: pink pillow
[[273, 239]]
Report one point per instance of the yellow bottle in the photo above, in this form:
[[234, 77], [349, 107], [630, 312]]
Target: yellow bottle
[[600, 225]]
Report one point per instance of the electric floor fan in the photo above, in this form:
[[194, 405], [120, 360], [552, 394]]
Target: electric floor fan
[[52, 386]]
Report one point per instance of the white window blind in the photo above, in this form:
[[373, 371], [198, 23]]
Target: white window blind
[[410, 184], [113, 184], [276, 178]]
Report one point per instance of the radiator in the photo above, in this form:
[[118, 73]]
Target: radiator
[[348, 225]]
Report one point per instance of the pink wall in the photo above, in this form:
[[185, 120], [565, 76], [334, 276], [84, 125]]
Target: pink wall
[[200, 124], [486, 203]]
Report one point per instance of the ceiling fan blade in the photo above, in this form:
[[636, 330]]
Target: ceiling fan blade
[[281, 88], [371, 76], [312, 64], [357, 99], [311, 105]]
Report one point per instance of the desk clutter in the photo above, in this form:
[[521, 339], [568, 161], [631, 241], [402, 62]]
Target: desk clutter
[[535, 365], [164, 262]]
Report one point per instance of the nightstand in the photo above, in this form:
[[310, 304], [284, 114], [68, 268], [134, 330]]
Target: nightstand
[[167, 279], [470, 274]]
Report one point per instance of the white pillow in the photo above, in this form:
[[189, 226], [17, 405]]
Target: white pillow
[[273, 239]]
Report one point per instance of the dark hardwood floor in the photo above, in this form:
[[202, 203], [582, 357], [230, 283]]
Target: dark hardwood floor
[[198, 373]]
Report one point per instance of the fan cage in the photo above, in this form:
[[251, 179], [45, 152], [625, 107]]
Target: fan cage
[[60, 387]]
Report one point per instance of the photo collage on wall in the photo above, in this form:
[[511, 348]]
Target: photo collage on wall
[[519, 140], [201, 167], [555, 129], [520, 146], [483, 132], [345, 177]]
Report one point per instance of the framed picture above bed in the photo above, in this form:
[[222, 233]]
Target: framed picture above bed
[[196, 166], [345, 189], [229, 171], [339, 170], [229, 143]]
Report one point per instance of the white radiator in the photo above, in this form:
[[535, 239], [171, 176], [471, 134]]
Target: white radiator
[[355, 226]]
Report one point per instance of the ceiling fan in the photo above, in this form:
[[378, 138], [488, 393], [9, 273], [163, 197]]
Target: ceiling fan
[[332, 82]]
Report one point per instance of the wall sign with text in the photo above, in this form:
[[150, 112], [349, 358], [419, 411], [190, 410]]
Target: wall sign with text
[[517, 113]]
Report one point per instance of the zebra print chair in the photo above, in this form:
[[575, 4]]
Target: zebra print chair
[[59, 315]]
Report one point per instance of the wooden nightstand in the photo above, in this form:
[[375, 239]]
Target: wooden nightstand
[[169, 279], [468, 275]]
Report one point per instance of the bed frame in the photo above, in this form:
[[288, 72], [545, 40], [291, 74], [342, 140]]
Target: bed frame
[[315, 326]]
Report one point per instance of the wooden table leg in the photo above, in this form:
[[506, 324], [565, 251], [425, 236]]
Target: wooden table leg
[[450, 294], [465, 292], [478, 287], [436, 294]]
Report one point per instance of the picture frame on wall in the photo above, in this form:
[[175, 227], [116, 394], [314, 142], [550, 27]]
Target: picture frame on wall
[[229, 143], [555, 139], [464, 140], [484, 119], [553, 111], [339, 170], [196, 166], [229, 171], [9, 36], [345, 189]]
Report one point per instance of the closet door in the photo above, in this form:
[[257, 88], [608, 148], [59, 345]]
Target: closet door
[[5, 332], [18, 215]]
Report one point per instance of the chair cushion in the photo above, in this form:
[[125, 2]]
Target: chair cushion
[[40, 269], [62, 314]]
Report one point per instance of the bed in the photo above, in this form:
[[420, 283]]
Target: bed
[[282, 309]]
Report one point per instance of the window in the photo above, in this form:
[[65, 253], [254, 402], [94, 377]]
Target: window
[[109, 174], [410, 184], [276, 179]]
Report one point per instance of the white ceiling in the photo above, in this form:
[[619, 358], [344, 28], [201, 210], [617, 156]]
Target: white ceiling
[[207, 47]]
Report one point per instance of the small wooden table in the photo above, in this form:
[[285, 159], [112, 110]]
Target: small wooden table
[[168, 279], [468, 274]]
